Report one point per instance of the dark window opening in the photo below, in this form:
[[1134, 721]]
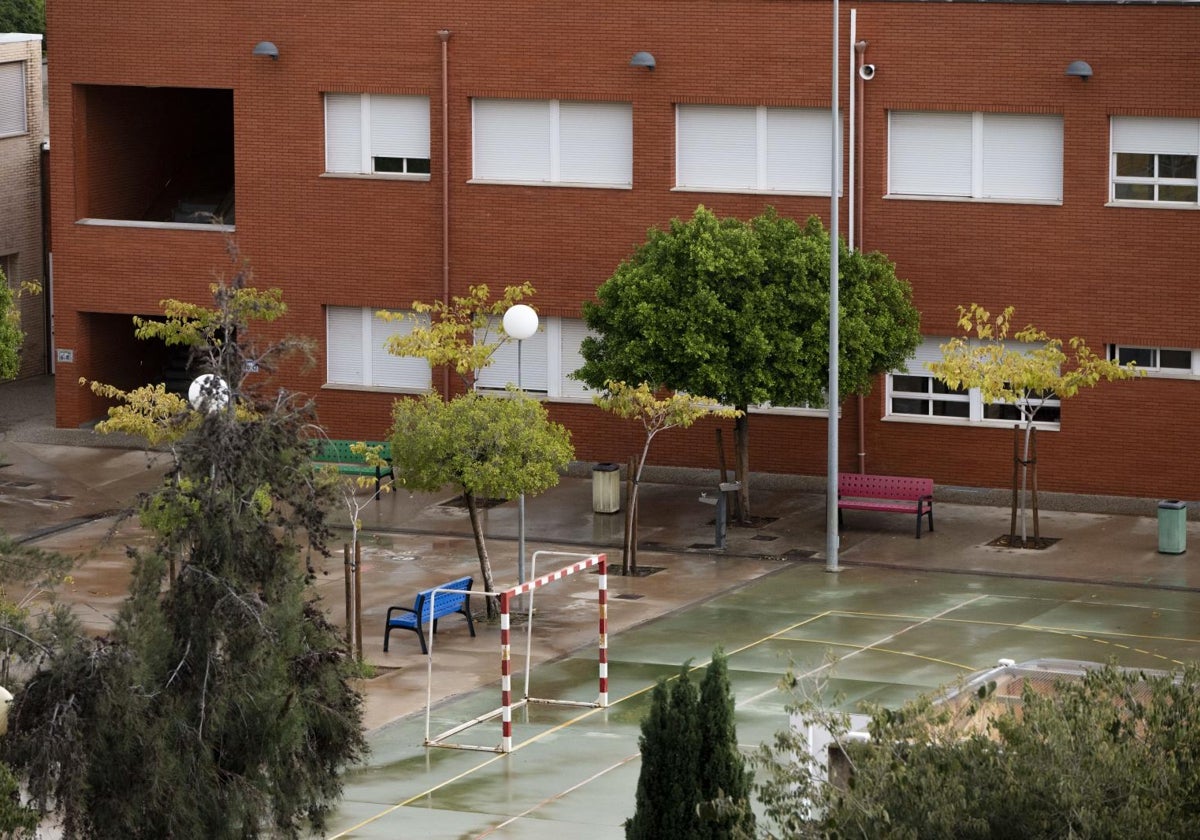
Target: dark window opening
[[156, 154]]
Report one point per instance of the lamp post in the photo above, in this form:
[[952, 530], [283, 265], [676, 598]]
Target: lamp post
[[520, 322], [835, 160]]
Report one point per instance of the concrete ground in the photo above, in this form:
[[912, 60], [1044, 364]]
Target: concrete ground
[[905, 615]]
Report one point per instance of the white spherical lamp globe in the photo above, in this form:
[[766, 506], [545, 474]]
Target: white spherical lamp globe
[[208, 392], [520, 321]]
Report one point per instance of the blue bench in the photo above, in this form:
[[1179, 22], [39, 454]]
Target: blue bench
[[427, 609]]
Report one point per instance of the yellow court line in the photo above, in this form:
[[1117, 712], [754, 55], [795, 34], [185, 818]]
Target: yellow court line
[[571, 722], [1084, 638], [1022, 626]]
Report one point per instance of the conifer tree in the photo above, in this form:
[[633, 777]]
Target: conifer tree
[[668, 786], [221, 705], [694, 782], [725, 782]]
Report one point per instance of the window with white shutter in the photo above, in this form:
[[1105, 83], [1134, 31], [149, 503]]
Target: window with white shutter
[[13, 119], [1154, 160], [734, 148], [548, 359], [528, 141], [996, 157], [356, 353], [377, 134], [915, 393]]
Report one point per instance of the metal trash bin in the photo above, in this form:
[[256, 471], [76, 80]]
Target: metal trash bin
[[606, 488], [1172, 526]]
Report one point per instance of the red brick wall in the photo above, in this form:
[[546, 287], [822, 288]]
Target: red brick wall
[[1106, 273]]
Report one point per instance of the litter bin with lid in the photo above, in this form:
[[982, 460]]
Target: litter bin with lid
[[1172, 526], [606, 488]]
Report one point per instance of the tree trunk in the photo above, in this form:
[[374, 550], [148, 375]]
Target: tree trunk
[[741, 469], [1025, 483], [629, 545], [485, 565]]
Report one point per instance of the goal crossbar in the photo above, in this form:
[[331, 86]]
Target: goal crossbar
[[507, 597]]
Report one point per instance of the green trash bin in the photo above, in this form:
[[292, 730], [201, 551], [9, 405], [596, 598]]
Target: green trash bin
[[1172, 526]]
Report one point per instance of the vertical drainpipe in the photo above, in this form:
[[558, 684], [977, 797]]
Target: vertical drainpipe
[[856, 52], [444, 37]]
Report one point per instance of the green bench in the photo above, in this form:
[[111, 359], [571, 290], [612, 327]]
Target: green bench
[[338, 454]]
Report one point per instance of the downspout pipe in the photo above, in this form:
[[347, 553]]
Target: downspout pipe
[[444, 37], [856, 82]]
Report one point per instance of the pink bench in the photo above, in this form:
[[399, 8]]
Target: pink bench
[[889, 493]]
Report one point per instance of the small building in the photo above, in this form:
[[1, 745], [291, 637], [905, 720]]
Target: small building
[[22, 134]]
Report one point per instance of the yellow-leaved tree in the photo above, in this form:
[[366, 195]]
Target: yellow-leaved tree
[[1027, 371], [656, 413]]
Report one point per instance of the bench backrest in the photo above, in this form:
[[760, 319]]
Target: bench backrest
[[339, 452], [447, 603], [883, 486]]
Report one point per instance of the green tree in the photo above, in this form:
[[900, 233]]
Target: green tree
[[672, 411], [1025, 377], [26, 642], [11, 336], [222, 705], [27, 16], [725, 783], [1112, 755], [488, 447], [739, 311], [693, 781], [668, 789]]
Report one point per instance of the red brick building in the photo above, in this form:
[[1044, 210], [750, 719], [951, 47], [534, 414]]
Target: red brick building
[[391, 152]]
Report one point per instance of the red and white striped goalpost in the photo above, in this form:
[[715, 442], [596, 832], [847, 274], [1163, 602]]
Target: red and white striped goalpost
[[506, 702]]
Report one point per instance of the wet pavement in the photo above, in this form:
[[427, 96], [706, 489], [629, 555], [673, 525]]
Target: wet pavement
[[904, 615]]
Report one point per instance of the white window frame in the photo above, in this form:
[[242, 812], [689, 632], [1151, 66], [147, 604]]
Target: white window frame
[[1157, 136], [991, 168], [1117, 352], [375, 368], [793, 410], [927, 351], [776, 157], [545, 143], [371, 108], [548, 359], [14, 105]]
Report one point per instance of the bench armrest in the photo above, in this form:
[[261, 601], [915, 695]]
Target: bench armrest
[[399, 609]]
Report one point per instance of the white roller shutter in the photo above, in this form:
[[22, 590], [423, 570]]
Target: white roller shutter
[[388, 371], [343, 133], [12, 98], [716, 146], [573, 332], [1156, 135], [929, 153], [929, 350], [399, 126], [797, 150], [511, 140], [503, 370], [596, 142], [344, 345], [1022, 156]]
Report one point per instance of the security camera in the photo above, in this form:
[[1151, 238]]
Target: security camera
[[866, 72]]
